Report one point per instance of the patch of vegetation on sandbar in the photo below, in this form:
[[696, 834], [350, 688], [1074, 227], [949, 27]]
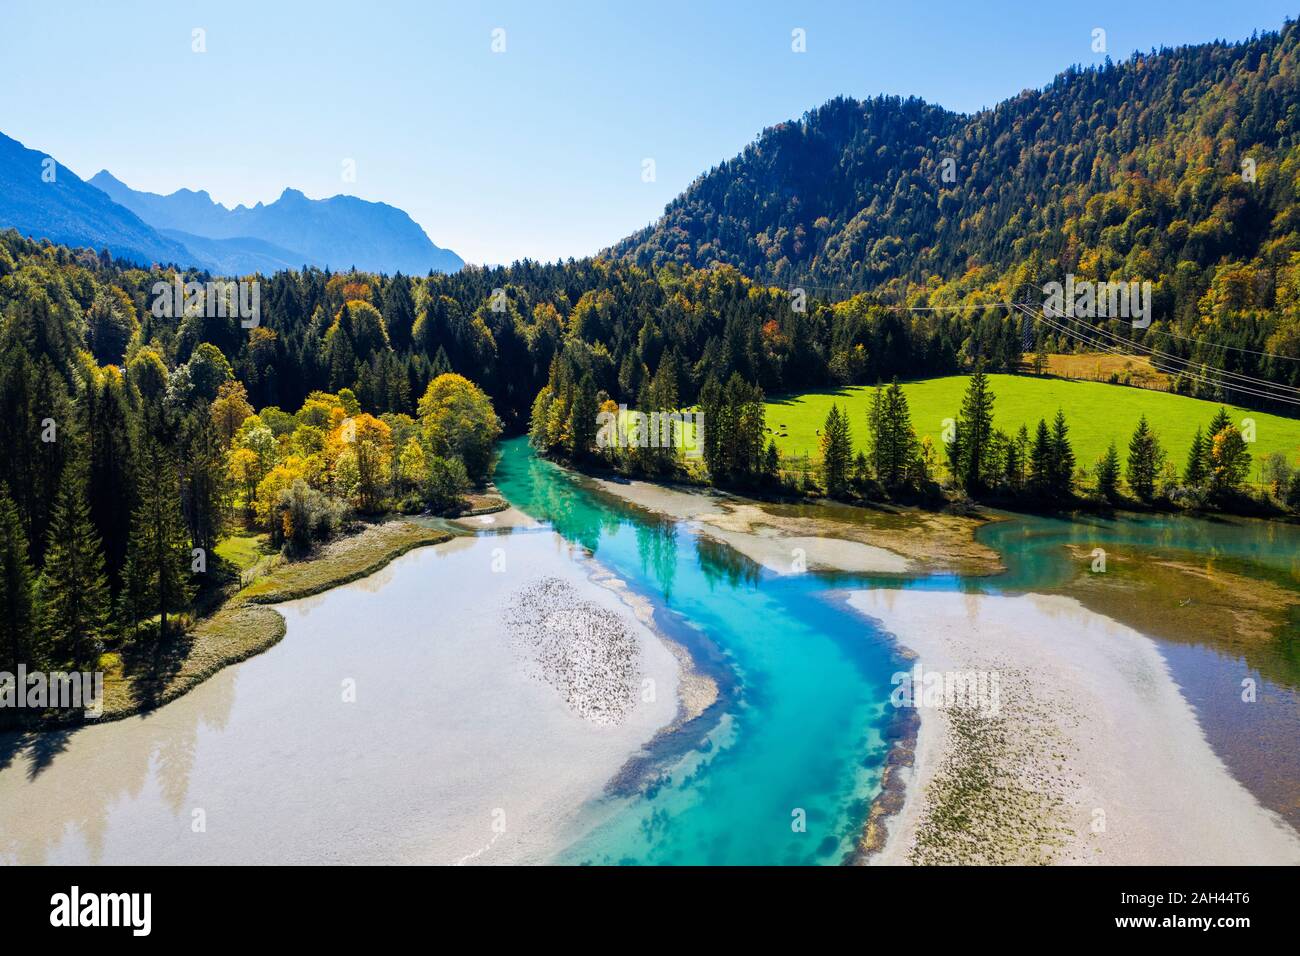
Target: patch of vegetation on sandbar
[[341, 562], [997, 798]]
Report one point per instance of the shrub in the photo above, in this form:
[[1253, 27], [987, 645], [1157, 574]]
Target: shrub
[[1293, 493], [304, 515]]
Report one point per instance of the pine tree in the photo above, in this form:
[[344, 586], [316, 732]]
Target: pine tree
[[772, 463], [52, 433], [712, 406], [663, 399], [341, 356], [1062, 458], [977, 431], [837, 452], [16, 608], [110, 484], [1194, 473], [203, 477], [72, 591], [582, 420], [1145, 457], [744, 420], [1219, 422], [1018, 460], [1108, 473], [896, 439], [399, 311], [952, 449], [1041, 461], [876, 441], [158, 559]]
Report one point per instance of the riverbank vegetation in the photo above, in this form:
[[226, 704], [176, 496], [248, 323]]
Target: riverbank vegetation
[[1042, 464], [133, 451]]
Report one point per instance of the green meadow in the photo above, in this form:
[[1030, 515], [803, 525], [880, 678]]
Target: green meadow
[[1097, 414]]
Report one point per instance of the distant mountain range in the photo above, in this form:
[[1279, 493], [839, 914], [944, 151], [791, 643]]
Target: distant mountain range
[[187, 228], [49, 201]]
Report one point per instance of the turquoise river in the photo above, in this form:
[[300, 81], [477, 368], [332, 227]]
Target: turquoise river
[[801, 730]]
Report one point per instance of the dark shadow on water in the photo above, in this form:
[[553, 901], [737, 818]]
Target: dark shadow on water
[[43, 748], [12, 743]]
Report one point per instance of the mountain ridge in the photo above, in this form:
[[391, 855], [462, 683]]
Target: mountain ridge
[[338, 232], [44, 199], [1127, 169]]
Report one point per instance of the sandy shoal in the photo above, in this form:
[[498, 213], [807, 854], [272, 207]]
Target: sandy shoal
[[1094, 755], [737, 523]]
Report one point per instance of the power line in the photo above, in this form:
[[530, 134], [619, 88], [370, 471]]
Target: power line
[[1110, 349], [1235, 348], [1152, 352]]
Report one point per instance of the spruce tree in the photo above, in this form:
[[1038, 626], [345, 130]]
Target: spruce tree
[[203, 477], [898, 438], [875, 432], [772, 462], [158, 558], [16, 609], [837, 452], [1018, 460], [1041, 461], [712, 407], [1145, 458], [1108, 473], [952, 449], [105, 416], [1194, 473], [72, 591], [1062, 458], [977, 431], [582, 420]]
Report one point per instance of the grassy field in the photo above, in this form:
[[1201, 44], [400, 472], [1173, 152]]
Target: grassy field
[[243, 550], [1097, 413]]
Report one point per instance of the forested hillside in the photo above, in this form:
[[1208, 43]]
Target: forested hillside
[[1180, 167]]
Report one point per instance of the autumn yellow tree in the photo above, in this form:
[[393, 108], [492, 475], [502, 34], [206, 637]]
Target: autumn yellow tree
[[268, 491], [363, 443], [230, 409], [458, 421]]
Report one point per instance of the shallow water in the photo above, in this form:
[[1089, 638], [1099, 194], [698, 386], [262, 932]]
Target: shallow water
[[391, 725], [1256, 737]]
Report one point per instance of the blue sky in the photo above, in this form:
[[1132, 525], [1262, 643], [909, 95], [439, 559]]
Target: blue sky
[[537, 151]]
